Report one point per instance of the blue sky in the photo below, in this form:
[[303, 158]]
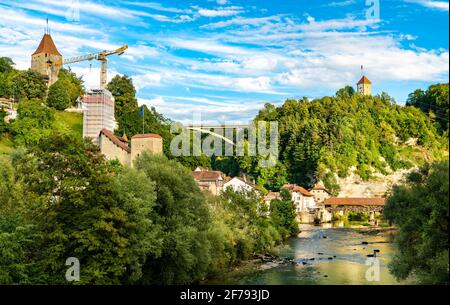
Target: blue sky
[[223, 59]]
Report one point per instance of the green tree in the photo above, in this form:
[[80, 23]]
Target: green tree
[[29, 84], [283, 215], [34, 121], [72, 84], [77, 208], [7, 73], [421, 209], [6, 65], [3, 126], [434, 101], [126, 106], [183, 215], [58, 96], [345, 92]]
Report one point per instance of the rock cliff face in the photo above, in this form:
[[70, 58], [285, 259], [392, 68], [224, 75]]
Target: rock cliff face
[[354, 186]]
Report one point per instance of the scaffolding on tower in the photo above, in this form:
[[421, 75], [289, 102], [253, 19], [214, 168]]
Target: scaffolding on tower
[[98, 113]]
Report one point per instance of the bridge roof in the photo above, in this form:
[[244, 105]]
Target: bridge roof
[[355, 201]]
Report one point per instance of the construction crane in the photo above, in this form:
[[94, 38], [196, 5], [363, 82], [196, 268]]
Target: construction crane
[[98, 56]]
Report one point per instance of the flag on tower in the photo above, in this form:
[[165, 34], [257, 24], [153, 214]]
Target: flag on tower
[[142, 114]]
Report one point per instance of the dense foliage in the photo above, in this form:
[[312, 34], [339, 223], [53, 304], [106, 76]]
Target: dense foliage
[[3, 125], [283, 215], [420, 209], [34, 121], [65, 91], [58, 96], [60, 198], [7, 72], [434, 102], [184, 219], [332, 136], [29, 84]]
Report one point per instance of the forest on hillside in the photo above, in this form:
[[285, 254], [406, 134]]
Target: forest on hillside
[[327, 137]]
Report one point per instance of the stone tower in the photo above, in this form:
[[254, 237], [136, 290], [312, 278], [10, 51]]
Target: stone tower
[[152, 143], [364, 86], [47, 60]]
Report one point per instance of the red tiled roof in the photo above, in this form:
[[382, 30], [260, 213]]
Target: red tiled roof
[[355, 201], [207, 175], [364, 80], [303, 191], [47, 46], [114, 139], [297, 189], [148, 135]]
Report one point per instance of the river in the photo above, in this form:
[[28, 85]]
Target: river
[[327, 254]]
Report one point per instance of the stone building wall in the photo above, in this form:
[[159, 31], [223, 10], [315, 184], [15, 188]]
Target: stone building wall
[[112, 151]]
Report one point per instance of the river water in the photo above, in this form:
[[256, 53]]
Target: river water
[[327, 254]]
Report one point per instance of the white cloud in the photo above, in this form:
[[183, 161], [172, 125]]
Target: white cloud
[[242, 21], [219, 12], [437, 5], [146, 80], [341, 3]]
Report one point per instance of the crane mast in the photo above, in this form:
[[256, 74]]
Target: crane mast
[[102, 57]]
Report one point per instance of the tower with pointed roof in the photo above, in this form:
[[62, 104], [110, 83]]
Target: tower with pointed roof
[[47, 60], [364, 86]]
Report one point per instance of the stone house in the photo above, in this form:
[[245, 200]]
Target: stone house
[[304, 203], [320, 193], [303, 200], [211, 181]]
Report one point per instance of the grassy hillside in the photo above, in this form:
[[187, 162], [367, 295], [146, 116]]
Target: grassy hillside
[[6, 145], [67, 122]]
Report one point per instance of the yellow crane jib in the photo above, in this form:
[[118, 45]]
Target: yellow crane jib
[[101, 56]]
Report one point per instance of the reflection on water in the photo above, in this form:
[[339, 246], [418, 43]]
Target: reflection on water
[[326, 255]]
